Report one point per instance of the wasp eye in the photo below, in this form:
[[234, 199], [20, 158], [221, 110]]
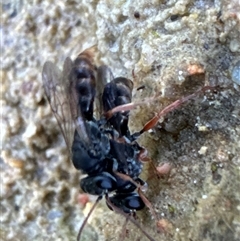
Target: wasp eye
[[104, 184]]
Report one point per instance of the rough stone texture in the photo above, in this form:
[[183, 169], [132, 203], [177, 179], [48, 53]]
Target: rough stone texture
[[174, 48]]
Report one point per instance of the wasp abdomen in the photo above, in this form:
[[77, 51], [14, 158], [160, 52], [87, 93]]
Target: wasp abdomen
[[82, 79]]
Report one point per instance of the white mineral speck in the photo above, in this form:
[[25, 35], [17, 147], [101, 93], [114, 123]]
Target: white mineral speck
[[236, 73], [30, 131], [204, 196], [203, 150], [234, 45]]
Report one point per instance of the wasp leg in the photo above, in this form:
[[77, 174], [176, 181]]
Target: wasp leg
[[153, 122], [86, 219], [143, 157]]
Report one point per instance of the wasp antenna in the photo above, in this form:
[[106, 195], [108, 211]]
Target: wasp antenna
[[150, 124], [128, 217], [126, 107], [86, 219], [119, 108]]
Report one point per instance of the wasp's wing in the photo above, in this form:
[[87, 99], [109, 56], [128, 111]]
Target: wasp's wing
[[104, 76], [76, 114], [53, 82]]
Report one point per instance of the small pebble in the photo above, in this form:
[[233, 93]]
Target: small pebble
[[53, 214], [236, 73]]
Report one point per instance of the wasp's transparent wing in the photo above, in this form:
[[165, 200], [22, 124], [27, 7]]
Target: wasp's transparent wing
[[104, 76], [55, 89], [74, 106]]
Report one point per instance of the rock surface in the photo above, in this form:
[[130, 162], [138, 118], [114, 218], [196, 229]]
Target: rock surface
[[174, 48]]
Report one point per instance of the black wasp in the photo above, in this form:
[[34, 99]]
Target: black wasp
[[102, 148]]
